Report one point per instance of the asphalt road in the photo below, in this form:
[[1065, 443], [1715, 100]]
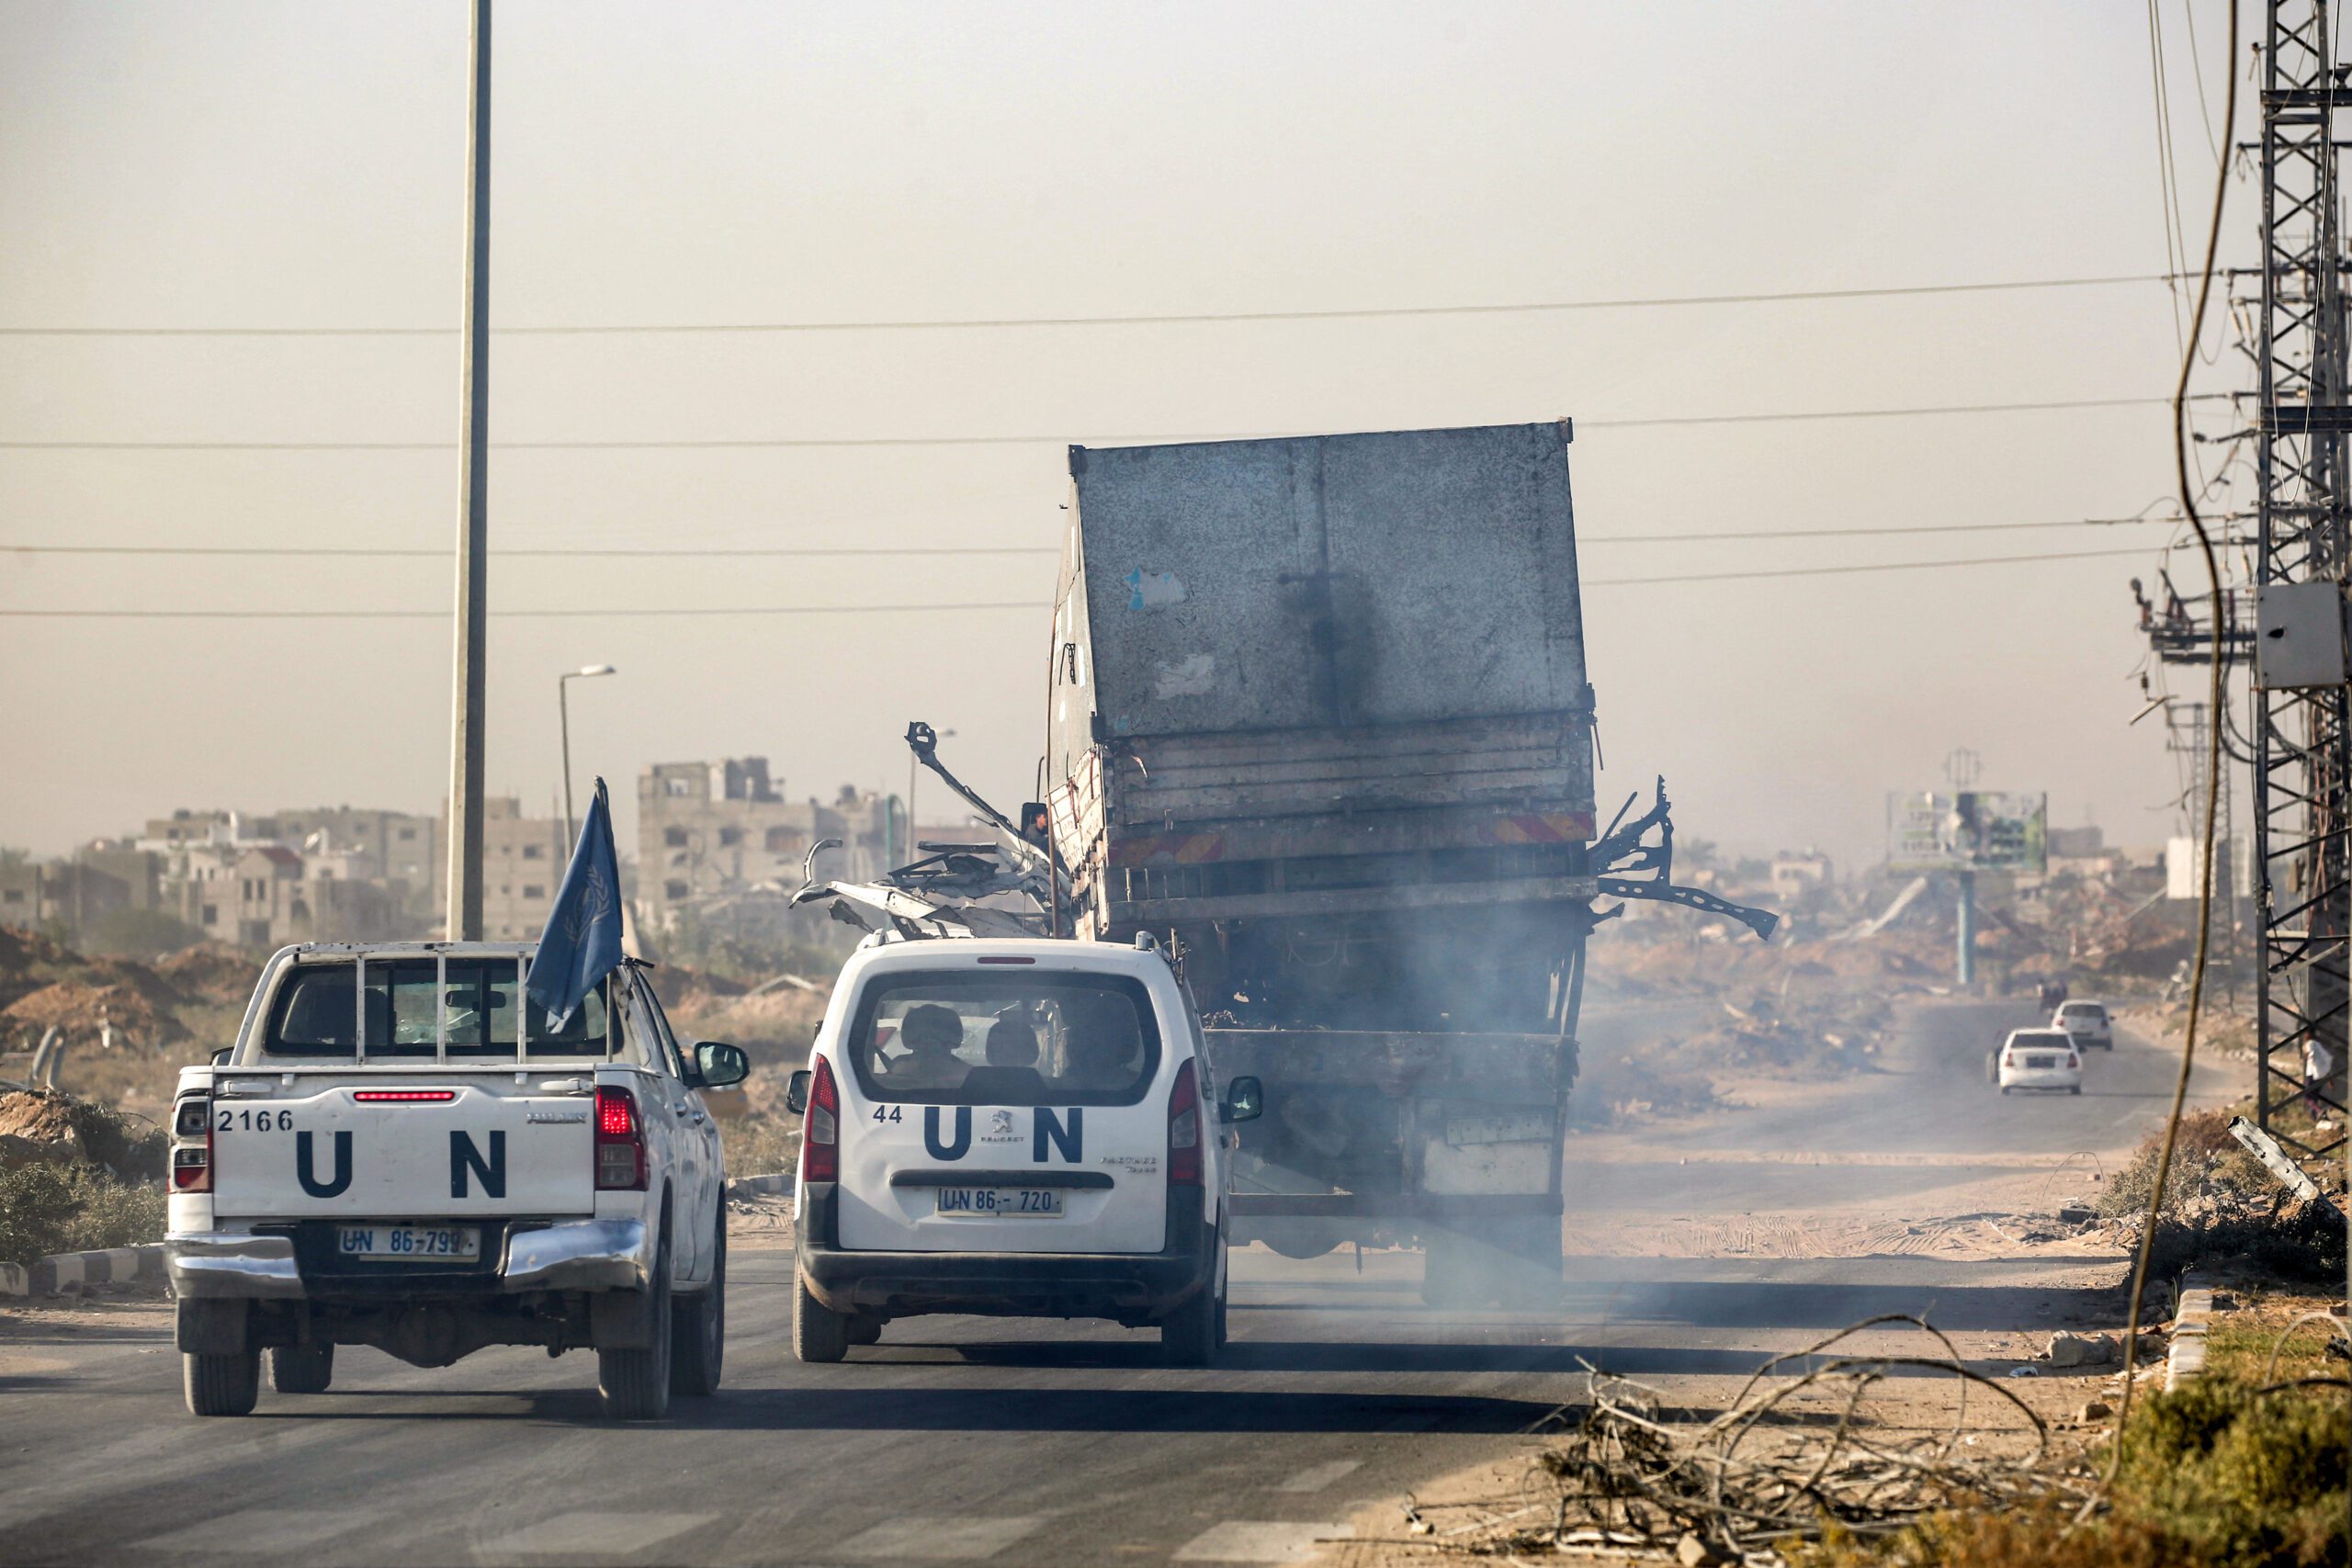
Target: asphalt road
[[972, 1440]]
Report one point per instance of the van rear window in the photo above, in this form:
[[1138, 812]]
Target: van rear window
[[315, 1014], [1039, 1038]]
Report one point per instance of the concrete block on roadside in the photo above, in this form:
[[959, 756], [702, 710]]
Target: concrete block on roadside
[[2081, 1349], [2186, 1362]]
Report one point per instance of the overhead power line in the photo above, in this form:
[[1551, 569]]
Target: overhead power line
[[637, 611], [855, 609], [406, 552], [729, 552], [1842, 571], [1184, 317], [751, 442]]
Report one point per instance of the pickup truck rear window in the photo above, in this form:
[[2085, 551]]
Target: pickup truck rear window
[[1041, 1038], [315, 1015]]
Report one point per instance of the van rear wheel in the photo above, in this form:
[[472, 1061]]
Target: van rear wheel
[[301, 1369], [818, 1332], [221, 1386], [1188, 1336]]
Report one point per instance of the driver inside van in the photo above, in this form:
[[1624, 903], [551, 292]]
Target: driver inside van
[[1100, 1049], [931, 1034]]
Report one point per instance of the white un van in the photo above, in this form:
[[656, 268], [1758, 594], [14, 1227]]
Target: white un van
[[1021, 1127]]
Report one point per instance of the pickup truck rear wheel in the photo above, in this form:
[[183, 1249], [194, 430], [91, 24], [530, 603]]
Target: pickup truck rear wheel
[[865, 1329], [818, 1332], [698, 1332], [636, 1383], [221, 1386], [301, 1369]]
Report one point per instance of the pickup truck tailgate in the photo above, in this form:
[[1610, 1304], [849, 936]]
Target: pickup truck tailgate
[[398, 1145]]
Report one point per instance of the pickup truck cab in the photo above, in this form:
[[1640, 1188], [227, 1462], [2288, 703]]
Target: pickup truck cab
[[401, 1151], [1021, 1127]]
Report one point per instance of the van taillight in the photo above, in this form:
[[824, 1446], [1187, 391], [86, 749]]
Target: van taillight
[[192, 1162], [620, 1141], [820, 1130], [1184, 1129]]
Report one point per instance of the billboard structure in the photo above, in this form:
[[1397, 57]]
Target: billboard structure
[[1969, 829]]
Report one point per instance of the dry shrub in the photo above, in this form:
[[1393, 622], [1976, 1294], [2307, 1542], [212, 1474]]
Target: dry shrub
[[2235, 1476], [2215, 1475], [73, 1208], [2034, 1538], [2207, 1163], [762, 1145]]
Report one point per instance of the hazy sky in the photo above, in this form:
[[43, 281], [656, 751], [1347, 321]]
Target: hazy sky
[[302, 165]]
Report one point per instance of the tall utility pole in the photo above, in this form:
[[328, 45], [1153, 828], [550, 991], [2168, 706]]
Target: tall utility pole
[[463, 918], [2303, 748]]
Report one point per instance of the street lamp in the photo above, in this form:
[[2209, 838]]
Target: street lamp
[[563, 715]]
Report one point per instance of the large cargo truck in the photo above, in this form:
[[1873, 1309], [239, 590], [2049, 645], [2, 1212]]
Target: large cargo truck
[[1320, 721]]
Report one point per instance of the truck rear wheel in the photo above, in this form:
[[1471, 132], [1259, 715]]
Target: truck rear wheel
[[698, 1332], [865, 1328], [301, 1369], [221, 1386], [818, 1332], [636, 1383]]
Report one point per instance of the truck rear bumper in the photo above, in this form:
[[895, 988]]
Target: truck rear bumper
[[221, 1265], [569, 1255], [1393, 1206]]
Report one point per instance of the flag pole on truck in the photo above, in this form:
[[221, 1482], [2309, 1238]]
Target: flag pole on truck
[[582, 943]]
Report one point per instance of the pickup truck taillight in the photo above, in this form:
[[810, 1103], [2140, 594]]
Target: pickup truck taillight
[[1184, 1129], [820, 1130], [620, 1139], [192, 1161]]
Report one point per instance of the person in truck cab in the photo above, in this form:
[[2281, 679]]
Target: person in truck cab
[[931, 1035]]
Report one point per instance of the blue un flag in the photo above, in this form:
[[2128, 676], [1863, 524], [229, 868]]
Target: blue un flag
[[582, 941]]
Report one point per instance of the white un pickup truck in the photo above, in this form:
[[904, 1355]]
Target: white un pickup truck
[[399, 1152]]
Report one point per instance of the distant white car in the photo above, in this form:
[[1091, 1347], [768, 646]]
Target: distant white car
[[2087, 1023], [2038, 1058]]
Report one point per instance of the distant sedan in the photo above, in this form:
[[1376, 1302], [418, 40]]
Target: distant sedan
[[2038, 1058]]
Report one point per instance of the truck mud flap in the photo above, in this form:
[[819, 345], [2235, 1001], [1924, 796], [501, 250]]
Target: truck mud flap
[[212, 1328], [621, 1320]]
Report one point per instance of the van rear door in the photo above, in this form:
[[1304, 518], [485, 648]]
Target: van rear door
[[1004, 1106]]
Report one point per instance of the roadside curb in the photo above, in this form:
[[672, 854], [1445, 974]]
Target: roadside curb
[[63, 1272], [751, 1185], [2187, 1362]]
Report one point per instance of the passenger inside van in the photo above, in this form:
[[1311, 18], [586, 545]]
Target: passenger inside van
[[1012, 1044], [931, 1034]]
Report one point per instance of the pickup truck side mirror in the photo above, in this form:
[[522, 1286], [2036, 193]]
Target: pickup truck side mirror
[[795, 1093], [221, 1057], [1245, 1100], [719, 1065]]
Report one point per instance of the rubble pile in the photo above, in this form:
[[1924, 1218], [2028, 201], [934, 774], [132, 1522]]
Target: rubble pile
[[48, 1128]]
